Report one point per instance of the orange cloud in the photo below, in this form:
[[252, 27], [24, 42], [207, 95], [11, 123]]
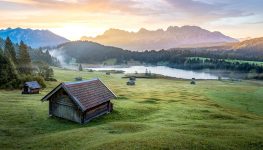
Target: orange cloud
[[95, 16]]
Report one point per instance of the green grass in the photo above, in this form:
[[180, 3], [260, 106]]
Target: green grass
[[154, 114], [259, 63], [244, 61]]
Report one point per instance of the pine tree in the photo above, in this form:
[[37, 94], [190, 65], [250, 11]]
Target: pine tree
[[1, 51], [9, 51], [7, 71], [80, 67], [48, 57], [25, 66]]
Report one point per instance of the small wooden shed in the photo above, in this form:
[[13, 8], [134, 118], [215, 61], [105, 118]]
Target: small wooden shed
[[31, 87], [131, 81], [80, 101]]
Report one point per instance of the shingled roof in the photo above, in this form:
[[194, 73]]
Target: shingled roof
[[86, 94], [33, 85]]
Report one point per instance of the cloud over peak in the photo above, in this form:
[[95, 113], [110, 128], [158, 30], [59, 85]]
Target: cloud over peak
[[99, 15]]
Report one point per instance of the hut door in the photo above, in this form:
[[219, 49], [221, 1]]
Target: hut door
[[26, 89]]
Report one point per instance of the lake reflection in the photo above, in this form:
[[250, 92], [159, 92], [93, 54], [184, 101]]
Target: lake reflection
[[162, 70]]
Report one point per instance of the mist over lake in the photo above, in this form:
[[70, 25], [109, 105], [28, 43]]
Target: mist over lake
[[162, 70]]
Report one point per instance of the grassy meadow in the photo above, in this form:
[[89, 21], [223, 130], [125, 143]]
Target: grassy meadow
[[154, 114]]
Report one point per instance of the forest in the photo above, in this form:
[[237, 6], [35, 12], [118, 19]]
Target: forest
[[17, 66]]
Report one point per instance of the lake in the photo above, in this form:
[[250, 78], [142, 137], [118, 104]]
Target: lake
[[162, 70]]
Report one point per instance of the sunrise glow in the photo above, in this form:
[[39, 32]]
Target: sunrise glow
[[76, 18]]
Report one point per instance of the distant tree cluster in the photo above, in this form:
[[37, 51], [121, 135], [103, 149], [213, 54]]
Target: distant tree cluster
[[44, 56], [221, 64], [44, 70], [17, 67], [80, 67]]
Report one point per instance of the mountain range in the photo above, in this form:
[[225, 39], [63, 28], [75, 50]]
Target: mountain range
[[172, 37], [92, 52], [33, 38], [37, 38]]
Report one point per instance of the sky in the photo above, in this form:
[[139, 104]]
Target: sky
[[75, 18]]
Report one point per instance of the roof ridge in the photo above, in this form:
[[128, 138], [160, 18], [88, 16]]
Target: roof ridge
[[84, 81], [30, 81]]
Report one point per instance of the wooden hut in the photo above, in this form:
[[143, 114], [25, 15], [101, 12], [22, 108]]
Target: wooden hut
[[80, 101], [31, 87], [193, 81], [131, 81]]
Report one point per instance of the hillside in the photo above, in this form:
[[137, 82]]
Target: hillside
[[251, 44], [34, 38], [88, 52], [186, 36], [252, 47]]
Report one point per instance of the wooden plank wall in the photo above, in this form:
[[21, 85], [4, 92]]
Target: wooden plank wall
[[66, 112], [62, 106], [102, 109]]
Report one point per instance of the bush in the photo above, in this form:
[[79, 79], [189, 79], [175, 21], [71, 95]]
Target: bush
[[26, 78], [13, 84], [18, 83], [45, 71], [51, 79], [258, 76]]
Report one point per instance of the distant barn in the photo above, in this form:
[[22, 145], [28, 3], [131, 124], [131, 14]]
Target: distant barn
[[32, 87], [131, 81], [80, 101]]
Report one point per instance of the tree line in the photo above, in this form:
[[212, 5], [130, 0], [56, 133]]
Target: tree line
[[186, 59], [43, 55], [17, 67]]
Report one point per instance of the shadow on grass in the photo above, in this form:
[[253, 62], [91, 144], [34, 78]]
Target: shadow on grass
[[127, 127], [124, 114], [122, 98], [151, 101], [221, 116]]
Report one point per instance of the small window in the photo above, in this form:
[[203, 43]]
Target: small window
[[64, 93]]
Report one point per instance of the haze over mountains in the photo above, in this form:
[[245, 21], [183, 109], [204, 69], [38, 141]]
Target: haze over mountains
[[33, 38], [172, 37]]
